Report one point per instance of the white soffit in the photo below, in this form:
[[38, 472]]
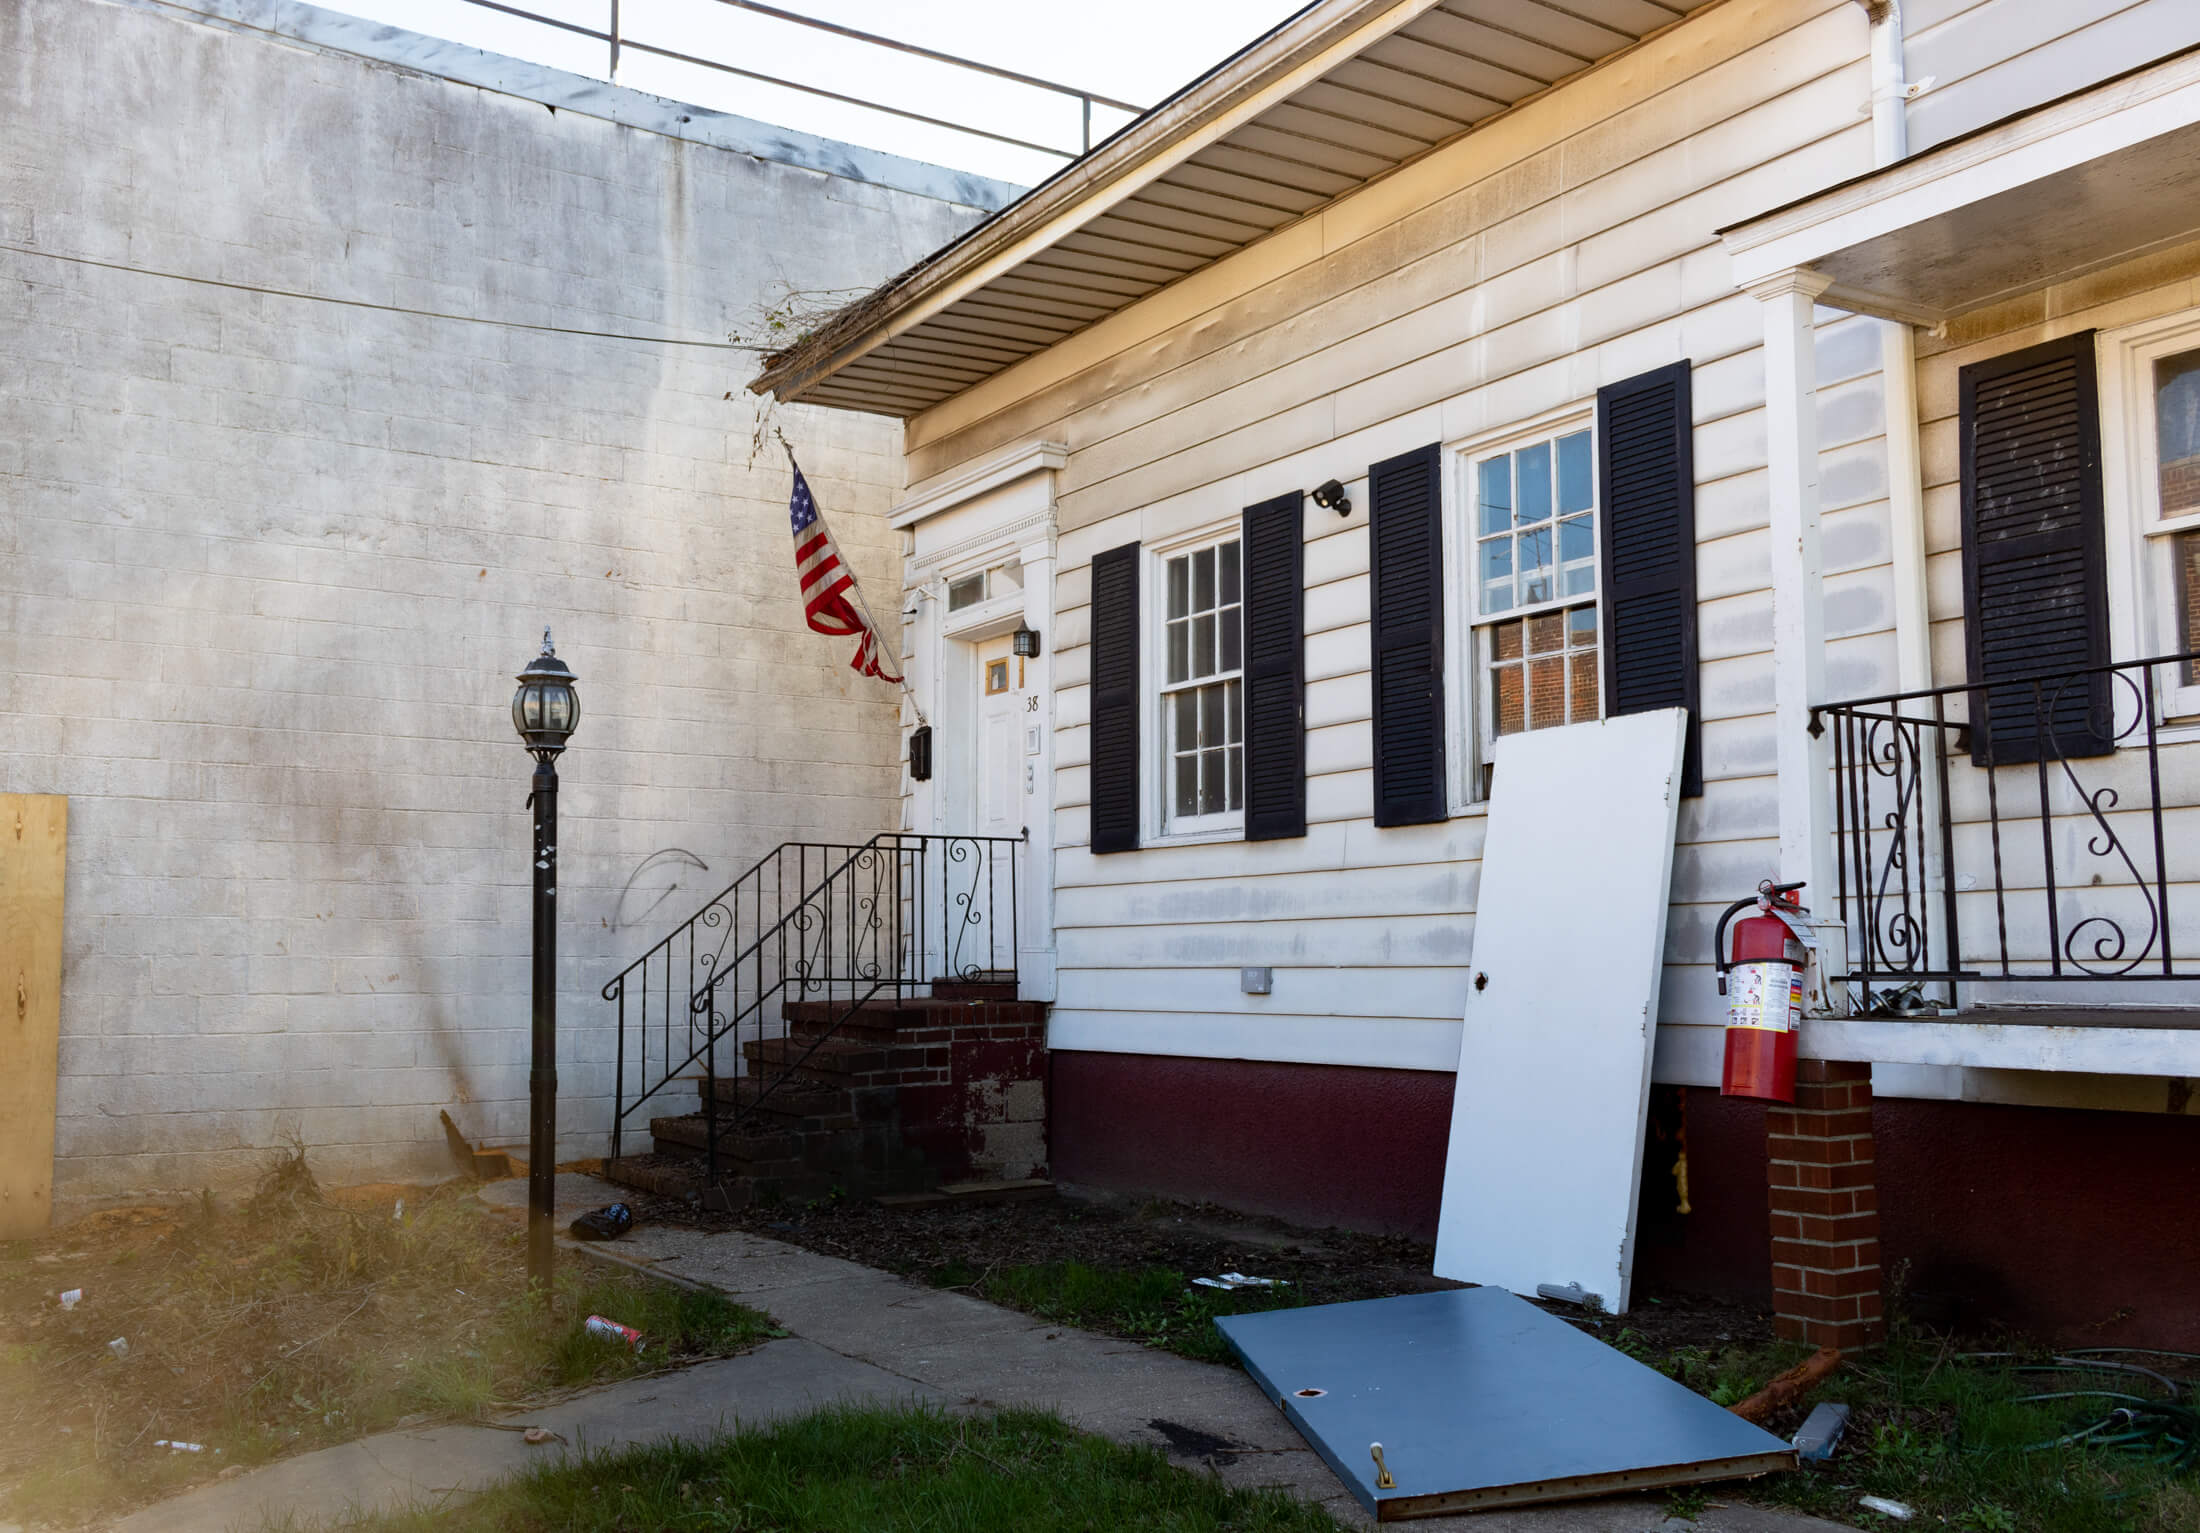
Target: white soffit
[[1554, 1057], [2098, 178], [1423, 74]]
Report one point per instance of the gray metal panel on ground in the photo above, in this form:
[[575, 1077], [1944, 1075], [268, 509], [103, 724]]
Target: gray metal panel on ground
[[1481, 1399]]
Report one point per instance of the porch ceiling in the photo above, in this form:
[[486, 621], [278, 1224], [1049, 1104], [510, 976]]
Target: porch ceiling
[[1342, 93], [2097, 178]]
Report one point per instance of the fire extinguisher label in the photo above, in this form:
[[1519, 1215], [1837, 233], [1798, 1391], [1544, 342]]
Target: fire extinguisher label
[[1768, 996]]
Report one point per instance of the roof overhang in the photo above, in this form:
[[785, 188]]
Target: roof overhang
[[1342, 93], [2098, 178]]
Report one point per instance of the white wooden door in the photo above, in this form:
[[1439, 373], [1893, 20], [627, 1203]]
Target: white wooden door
[[980, 880], [1562, 1007]]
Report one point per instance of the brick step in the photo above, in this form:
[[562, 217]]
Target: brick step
[[833, 1062], [691, 1131], [768, 1098], [961, 990], [888, 1016]]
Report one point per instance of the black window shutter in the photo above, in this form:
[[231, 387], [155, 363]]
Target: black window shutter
[[1275, 669], [1115, 699], [1646, 499], [1405, 502], [2035, 586]]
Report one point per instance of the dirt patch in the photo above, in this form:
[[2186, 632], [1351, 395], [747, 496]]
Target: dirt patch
[[293, 1320], [1328, 1266]]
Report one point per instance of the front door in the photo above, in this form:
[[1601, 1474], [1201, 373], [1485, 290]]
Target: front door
[[981, 885]]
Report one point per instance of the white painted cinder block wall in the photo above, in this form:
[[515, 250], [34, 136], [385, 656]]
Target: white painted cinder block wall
[[267, 566]]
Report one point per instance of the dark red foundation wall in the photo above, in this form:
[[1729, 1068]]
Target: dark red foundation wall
[[2062, 1222], [1316, 1144]]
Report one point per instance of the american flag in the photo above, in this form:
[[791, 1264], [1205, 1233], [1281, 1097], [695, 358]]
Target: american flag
[[827, 583]]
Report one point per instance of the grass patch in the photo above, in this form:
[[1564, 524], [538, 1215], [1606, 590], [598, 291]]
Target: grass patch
[[292, 1322], [1158, 1306], [878, 1469], [1958, 1439]]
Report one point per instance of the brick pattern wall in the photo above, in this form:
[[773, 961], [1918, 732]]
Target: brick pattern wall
[[981, 1110], [267, 567], [1825, 1209]]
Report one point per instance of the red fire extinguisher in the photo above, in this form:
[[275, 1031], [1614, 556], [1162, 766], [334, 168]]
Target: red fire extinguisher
[[1763, 984]]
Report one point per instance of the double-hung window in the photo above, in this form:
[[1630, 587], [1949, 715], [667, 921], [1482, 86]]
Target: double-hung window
[[2150, 387], [1533, 581], [1202, 725]]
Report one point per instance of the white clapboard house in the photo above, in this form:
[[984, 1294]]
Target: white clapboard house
[[1432, 370]]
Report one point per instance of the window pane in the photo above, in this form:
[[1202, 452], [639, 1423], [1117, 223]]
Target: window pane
[[1180, 585], [1584, 707], [1507, 636], [1186, 733], [1233, 694], [1233, 636], [1180, 650], [1496, 494], [1534, 483], [1187, 784], [1203, 580], [1546, 693], [1535, 566], [2177, 430], [1546, 632], [1203, 644], [1581, 626], [1237, 777], [1508, 687], [1574, 483], [966, 592], [1212, 784], [1497, 570], [1229, 572], [1577, 539], [1210, 716], [2186, 550]]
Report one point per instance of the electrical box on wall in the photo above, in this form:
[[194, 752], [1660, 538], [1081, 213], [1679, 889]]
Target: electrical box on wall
[[1256, 981]]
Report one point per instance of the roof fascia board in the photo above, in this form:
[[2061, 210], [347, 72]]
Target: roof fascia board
[[2056, 138], [992, 474], [1296, 54]]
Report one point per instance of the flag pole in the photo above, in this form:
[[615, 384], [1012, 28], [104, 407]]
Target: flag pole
[[856, 586]]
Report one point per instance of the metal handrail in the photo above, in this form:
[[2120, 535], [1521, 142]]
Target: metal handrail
[[617, 40], [857, 921]]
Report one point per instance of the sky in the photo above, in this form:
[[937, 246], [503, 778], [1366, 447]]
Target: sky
[[1136, 51]]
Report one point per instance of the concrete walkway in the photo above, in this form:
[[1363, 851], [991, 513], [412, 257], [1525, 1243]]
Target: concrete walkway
[[863, 1334]]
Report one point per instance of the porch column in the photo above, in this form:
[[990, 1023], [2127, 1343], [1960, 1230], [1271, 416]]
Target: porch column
[[1799, 606]]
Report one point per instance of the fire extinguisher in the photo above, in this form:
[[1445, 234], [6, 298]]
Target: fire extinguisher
[[1763, 984]]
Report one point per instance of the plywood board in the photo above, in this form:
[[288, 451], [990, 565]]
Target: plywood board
[[1480, 1399], [1562, 1005], [34, 833]]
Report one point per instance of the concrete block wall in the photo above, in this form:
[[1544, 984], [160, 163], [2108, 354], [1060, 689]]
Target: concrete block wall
[[267, 566]]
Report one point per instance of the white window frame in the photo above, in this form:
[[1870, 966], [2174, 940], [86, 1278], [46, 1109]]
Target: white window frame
[[1162, 827], [1470, 712], [2142, 616]]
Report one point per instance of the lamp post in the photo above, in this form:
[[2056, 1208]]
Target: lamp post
[[544, 711]]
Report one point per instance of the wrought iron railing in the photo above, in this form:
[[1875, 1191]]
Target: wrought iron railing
[[2042, 859], [836, 923]]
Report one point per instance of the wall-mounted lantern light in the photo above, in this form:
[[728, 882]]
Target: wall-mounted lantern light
[[1330, 496], [1025, 641], [920, 753]]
